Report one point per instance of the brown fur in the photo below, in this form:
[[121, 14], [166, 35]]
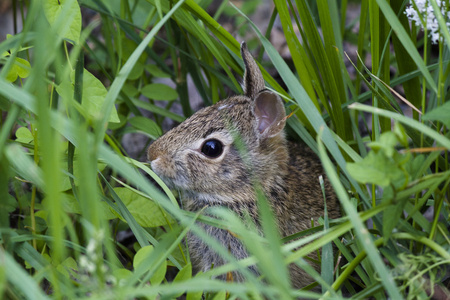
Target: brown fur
[[288, 173]]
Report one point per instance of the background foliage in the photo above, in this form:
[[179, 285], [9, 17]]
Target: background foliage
[[81, 218]]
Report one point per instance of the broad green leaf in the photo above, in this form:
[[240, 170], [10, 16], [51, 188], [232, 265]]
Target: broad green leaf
[[194, 295], [8, 204], [178, 255], [391, 217], [222, 295], [68, 268], [183, 275], [121, 275], [159, 274], [23, 135], [21, 68], [123, 121], [43, 214], [157, 72], [441, 113], [141, 256], [6, 53], [386, 143], [40, 224], [136, 72], [94, 94], [375, 168], [65, 17], [159, 91], [130, 90], [146, 125], [146, 212]]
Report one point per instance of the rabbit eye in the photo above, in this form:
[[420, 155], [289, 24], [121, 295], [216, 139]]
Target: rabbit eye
[[212, 148]]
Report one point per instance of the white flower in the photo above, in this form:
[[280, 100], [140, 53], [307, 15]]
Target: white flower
[[92, 245], [424, 16], [87, 264]]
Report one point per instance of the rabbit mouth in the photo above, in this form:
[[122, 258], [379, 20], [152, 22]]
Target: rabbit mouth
[[179, 183], [174, 183]]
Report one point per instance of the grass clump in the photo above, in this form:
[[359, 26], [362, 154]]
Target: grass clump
[[369, 96]]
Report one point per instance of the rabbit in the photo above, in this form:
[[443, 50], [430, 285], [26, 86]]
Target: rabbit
[[200, 159]]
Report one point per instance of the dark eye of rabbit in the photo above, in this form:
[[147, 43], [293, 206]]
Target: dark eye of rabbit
[[212, 148]]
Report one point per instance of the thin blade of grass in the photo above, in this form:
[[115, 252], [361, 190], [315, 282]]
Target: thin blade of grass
[[295, 48], [440, 139], [327, 259], [324, 64], [404, 61], [120, 79], [19, 278], [361, 231], [404, 38]]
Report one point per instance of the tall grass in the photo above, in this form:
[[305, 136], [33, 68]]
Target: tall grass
[[70, 92]]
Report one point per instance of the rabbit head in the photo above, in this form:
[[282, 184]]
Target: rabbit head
[[214, 155]]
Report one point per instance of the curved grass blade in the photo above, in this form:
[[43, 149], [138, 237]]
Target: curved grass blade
[[19, 278], [361, 231], [440, 139], [119, 81]]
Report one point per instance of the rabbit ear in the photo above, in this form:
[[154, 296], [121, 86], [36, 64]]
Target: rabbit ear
[[253, 79], [270, 114]]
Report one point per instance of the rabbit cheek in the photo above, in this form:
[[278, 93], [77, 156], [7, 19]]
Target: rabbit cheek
[[201, 172]]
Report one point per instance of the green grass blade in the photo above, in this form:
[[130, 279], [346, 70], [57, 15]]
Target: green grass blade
[[404, 61], [361, 231], [119, 81], [440, 139], [331, 80], [406, 41], [20, 279], [327, 259], [122, 209], [24, 165], [296, 49]]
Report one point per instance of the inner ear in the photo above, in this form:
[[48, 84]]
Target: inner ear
[[270, 114]]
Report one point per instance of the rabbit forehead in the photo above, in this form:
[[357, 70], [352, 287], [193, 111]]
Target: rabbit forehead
[[234, 113], [216, 121]]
